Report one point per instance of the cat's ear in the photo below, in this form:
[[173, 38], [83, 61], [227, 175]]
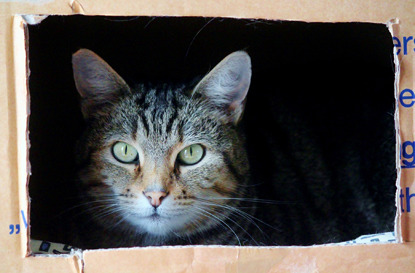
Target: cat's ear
[[226, 86], [96, 81]]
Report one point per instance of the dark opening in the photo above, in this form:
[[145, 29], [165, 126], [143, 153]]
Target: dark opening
[[319, 114]]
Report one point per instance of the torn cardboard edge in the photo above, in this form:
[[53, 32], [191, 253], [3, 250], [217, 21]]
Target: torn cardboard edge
[[393, 26], [80, 256], [34, 19], [49, 249], [22, 113], [21, 85]]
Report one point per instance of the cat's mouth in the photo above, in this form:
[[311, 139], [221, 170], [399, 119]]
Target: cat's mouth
[[159, 223], [154, 216]]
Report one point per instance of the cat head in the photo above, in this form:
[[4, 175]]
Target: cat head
[[162, 161]]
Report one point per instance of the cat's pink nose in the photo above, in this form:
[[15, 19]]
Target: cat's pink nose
[[155, 197]]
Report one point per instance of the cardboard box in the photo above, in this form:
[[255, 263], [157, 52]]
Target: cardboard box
[[331, 258]]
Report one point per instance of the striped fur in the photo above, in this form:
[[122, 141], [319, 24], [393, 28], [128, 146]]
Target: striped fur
[[202, 205]]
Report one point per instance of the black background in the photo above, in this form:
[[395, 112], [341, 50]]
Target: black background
[[337, 77]]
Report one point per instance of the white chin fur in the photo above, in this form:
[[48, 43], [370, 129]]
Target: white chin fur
[[169, 222], [161, 226], [158, 227]]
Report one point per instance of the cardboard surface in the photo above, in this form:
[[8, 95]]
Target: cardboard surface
[[362, 258]]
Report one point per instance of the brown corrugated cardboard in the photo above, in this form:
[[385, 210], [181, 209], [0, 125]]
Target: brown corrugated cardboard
[[13, 154]]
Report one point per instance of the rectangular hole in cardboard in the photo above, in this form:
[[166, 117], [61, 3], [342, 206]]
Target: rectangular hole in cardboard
[[319, 117]]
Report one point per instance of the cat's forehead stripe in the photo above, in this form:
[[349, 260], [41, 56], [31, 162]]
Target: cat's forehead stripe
[[158, 114], [174, 115], [145, 125]]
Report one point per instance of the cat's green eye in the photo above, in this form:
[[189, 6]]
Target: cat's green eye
[[124, 153], [191, 154]]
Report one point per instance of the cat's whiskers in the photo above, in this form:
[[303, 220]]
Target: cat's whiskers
[[99, 208], [98, 212], [236, 223], [253, 200], [213, 217], [114, 213], [124, 215], [233, 221], [236, 210], [89, 206], [241, 213], [104, 211], [76, 206]]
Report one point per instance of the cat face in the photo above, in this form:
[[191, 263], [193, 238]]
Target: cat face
[[162, 161]]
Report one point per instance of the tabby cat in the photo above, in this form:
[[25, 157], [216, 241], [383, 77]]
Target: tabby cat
[[163, 165], [169, 166]]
